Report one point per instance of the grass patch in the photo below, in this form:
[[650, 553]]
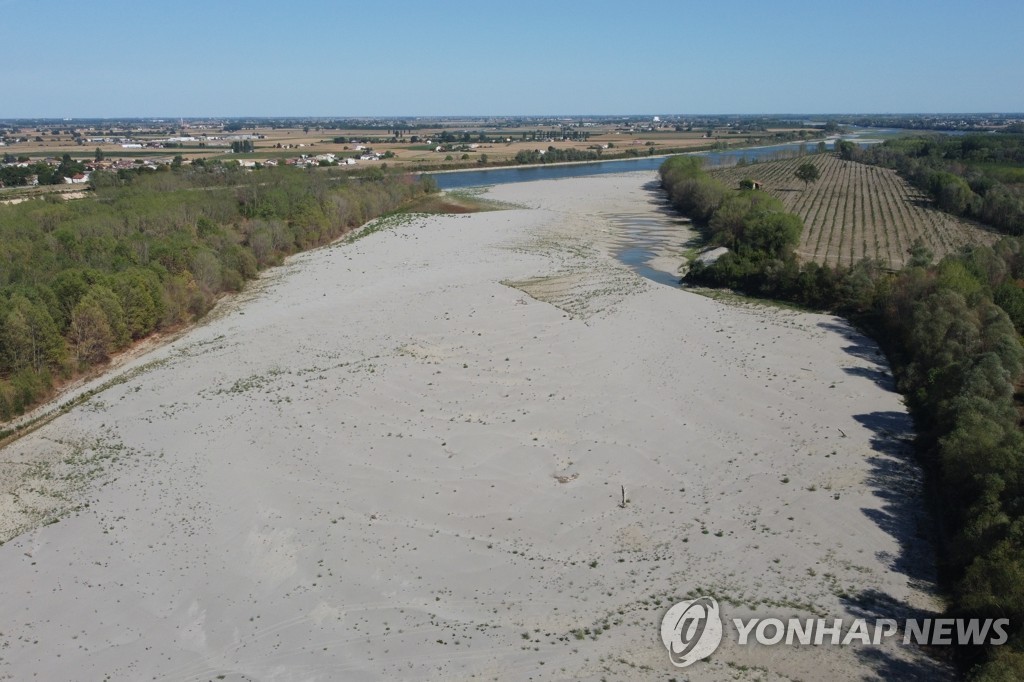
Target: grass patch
[[453, 202], [736, 298]]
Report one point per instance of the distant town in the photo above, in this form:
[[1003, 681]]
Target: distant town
[[67, 151]]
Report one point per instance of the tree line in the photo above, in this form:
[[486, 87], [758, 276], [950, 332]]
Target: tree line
[[80, 280], [977, 176], [952, 333], [554, 155]]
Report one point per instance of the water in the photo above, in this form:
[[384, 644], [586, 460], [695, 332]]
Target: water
[[502, 176], [641, 238]]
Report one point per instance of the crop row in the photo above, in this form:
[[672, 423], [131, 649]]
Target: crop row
[[856, 211]]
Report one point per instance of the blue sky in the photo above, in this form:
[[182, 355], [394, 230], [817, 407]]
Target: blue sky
[[320, 58]]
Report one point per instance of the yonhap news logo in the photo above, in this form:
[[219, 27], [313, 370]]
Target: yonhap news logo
[[693, 630]]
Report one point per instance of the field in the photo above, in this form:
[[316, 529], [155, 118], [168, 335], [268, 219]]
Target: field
[[855, 211], [284, 143]]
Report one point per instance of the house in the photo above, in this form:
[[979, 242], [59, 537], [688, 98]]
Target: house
[[76, 179]]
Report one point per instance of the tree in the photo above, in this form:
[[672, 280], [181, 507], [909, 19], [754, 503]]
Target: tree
[[90, 333], [99, 156], [920, 255], [775, 234], [106, 300], [206, 268], [807, 172], [30, 338]]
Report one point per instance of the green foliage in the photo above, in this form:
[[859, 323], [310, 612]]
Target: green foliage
[[952, 332], [30, 339], [729, 221], [954, 275], [692, 191], [920, 255], [555, 155], [752, 224], [141, 297], [978, 176], [1010, 297], [807, 172], [774, 234], [1006, 665], [82, 279], [89, 333]]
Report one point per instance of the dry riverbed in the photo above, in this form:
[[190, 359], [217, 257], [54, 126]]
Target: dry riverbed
[[403, 457]]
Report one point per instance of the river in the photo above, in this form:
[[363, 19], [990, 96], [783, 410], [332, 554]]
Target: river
[[507, 174], [640, 239]]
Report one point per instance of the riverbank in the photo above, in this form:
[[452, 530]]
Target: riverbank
[[402, 457]]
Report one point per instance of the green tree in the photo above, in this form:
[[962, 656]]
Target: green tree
[[140, 295], [104, 297], [807, 172], [1010, 297], [90, 334], [920, 255], [30, 339], [775, 234]]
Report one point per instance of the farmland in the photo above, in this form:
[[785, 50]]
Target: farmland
[[856, 211], [414, 144]]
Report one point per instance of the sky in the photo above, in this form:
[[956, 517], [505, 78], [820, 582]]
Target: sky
[[152, 58]]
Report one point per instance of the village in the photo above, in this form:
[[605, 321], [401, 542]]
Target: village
[[30, 170], [33, 151]]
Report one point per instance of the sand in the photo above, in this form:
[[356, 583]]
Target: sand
[[402, 458]]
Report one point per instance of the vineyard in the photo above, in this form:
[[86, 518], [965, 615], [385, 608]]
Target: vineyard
[[856, 211]]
